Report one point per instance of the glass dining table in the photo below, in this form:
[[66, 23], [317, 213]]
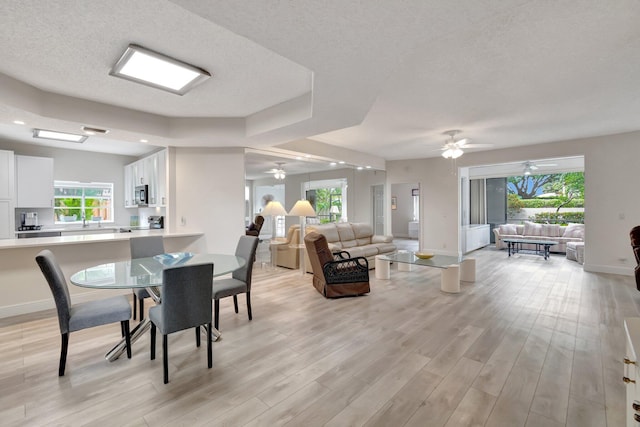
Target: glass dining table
[[147, 273]]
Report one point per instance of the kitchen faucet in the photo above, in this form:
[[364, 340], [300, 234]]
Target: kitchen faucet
[[84, 221]]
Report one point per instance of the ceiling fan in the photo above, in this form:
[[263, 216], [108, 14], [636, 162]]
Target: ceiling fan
[[278, 173], [529, 166], [453, 148]]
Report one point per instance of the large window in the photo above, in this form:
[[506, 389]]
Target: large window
[[78, 201]]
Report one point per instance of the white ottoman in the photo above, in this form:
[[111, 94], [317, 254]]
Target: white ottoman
[[571, 251]]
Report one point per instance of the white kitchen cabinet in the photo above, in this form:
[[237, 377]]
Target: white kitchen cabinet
[[150, 171], [34, 182], [476, 236], [159, 184], [6, 219], [129, 187]]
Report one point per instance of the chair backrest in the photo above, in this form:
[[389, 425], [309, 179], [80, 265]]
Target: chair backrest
[[319, 252], [186, 297], [247, 247], [258, 222], [58, 285], [634, 235], [146, 246]]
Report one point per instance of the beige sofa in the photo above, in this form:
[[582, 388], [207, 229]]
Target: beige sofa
[[532, 231], [354, 237]]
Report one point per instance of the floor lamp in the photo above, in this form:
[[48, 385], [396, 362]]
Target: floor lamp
[[303, 209], [274, 209]]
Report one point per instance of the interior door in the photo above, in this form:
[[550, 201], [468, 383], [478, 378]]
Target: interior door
[[378, 209]]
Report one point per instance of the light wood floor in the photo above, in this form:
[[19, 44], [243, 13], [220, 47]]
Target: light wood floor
[[531, 343]]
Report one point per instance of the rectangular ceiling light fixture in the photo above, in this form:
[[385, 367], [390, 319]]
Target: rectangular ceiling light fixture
[[156, 70], [58, 136]]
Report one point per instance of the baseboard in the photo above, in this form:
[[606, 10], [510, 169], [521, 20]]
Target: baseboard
[[48, 304], [595, 268]]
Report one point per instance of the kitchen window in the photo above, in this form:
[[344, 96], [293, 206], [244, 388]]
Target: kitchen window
[[78, 201]]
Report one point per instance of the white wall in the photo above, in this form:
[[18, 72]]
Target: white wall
[[401, 216], [207, 195], [85, 166], [612, 206]]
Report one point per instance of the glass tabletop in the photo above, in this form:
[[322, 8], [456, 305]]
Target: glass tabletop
[[409, 257], [145, 272], [531, 241]]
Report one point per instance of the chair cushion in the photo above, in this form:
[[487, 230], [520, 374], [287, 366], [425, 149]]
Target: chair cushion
[[345, 230], [101, 312], [227, 287], [509, 229], [551, 230], [141, 293]]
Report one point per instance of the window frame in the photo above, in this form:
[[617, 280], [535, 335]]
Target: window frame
[[83, 186]]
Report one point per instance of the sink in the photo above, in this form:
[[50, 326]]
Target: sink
[[89, 230]]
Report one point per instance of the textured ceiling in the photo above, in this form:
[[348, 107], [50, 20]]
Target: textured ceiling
[[385, 78]]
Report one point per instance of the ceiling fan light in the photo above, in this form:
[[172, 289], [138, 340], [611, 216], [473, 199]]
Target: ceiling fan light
[[456, 152], [448, 153]]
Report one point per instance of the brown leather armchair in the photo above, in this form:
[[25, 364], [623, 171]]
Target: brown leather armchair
[[635, 244], [254, 228], [336, 276]]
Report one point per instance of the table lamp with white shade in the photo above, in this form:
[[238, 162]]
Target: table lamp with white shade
[[274, 209], [303, 209], [334, 211]]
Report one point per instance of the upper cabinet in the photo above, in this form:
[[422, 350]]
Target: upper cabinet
[[7, 176], [151, 171], [34, 182]]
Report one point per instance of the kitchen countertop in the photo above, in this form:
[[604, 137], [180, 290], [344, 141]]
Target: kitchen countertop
[[87, 238]]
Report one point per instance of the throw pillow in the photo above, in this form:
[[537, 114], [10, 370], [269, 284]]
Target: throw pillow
[[532, 229], [574, 230], [550, 230], [507, 229]]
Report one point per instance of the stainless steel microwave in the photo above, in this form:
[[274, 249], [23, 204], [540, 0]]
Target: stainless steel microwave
[[142, 195]]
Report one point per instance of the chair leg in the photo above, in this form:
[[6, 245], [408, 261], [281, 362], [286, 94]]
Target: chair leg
[[127, 336], [197, 336], [216, 310], [235, 303], [165, 358], [141, 309], [153, 341], [135, 304], [209, 346], [63, 354], [122, 329], [249, 305]]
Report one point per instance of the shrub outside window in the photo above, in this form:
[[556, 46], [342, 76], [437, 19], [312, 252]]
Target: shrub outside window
[[75, 201]]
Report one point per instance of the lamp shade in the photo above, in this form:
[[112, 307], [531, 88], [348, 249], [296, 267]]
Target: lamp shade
[[334, 210], [274, 208], [302, 208]]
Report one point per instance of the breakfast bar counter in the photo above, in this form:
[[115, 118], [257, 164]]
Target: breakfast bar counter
[[23, 287]]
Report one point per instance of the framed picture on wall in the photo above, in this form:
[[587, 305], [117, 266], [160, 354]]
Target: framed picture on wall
[[415, 192], [394, 202]]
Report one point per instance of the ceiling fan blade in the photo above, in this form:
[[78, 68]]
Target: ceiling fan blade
[[478, 145], [462, 142]]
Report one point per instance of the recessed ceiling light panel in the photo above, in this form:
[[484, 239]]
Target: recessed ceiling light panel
[[59, 136], [156, 70]]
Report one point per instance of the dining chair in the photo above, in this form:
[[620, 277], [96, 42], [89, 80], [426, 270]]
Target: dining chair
[[186, 303], [240, 280], [83, 315], [144, 247]]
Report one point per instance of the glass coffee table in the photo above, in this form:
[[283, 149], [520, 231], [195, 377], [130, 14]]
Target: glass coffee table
[[514, 246], [453, 268]]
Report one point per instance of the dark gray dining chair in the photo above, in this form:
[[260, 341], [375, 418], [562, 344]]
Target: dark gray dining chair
[[144, 247], [83, 315], [240, 280], [186, 303]]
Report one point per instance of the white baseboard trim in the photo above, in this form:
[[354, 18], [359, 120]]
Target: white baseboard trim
[[48, 304], [595, 268]]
